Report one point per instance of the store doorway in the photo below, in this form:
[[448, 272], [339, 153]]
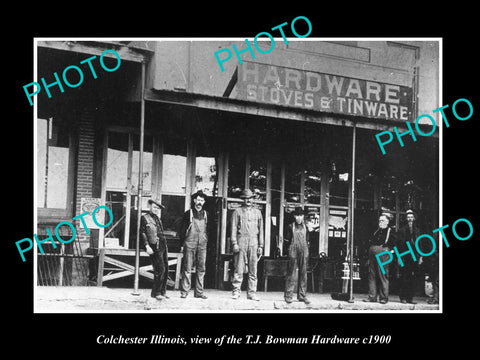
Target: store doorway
[[279, 186], [121, 173]]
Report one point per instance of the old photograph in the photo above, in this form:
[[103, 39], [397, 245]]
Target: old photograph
[[225, 175]]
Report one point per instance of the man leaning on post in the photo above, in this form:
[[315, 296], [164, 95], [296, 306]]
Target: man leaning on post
[[382, 240], [247, 244], [151, 233], [194, 236]]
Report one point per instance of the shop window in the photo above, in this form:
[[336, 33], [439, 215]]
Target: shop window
[[409, 195], [206, 168], [115, 233], [339, 190], [293, 176], [206, 178], [389, 195], [174, 173], [53, 152], [116, 188], [117, 161], [147, 164], [312, 182], [174, 166], [312, 216], [364, 189], [337, 232], [236, 174], [174, 208], [257, 177]]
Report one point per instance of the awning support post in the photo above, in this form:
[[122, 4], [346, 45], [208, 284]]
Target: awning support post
[[352, 210], [140, 184]]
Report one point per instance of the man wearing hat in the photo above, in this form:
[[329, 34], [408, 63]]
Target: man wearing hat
[[194, 237], [407, 272], [383, 239], [297, 237], [151, 233], [247, 244]]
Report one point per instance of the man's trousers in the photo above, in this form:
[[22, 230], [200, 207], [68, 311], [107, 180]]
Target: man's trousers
[[246, 255], [193, 256], [377, 281], [406, 282], [297, 259], [159, 260]]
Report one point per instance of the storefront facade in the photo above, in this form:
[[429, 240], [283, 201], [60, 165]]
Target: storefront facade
[[281, 125]]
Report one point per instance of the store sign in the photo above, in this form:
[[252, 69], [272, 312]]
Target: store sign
[[323, 92]]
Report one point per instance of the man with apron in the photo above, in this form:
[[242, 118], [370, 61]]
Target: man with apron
[[247, 244], [194, 237], [151, 233], [383, 239]]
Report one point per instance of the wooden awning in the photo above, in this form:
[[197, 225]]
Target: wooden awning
[[218, 103]]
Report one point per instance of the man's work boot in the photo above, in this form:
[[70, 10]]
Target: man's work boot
[[305, 300]]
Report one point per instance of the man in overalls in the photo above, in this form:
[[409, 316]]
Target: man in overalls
[[297, 235], [194, 237], [151, 233], [247, 244]]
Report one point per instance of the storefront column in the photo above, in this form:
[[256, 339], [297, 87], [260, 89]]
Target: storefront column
[[352, 210], [268, 210], [282, 210], [222, 263], [223, 195], [190, 173], [324, 199], [323, 221], [140, 184]]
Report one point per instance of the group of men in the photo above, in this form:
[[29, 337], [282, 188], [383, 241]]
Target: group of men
[[247, 242], [194, 237], [385, 238]]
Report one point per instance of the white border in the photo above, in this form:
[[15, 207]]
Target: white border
[[35, 204], [279, 311]]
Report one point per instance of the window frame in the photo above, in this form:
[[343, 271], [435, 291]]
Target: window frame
[[45, 214]]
